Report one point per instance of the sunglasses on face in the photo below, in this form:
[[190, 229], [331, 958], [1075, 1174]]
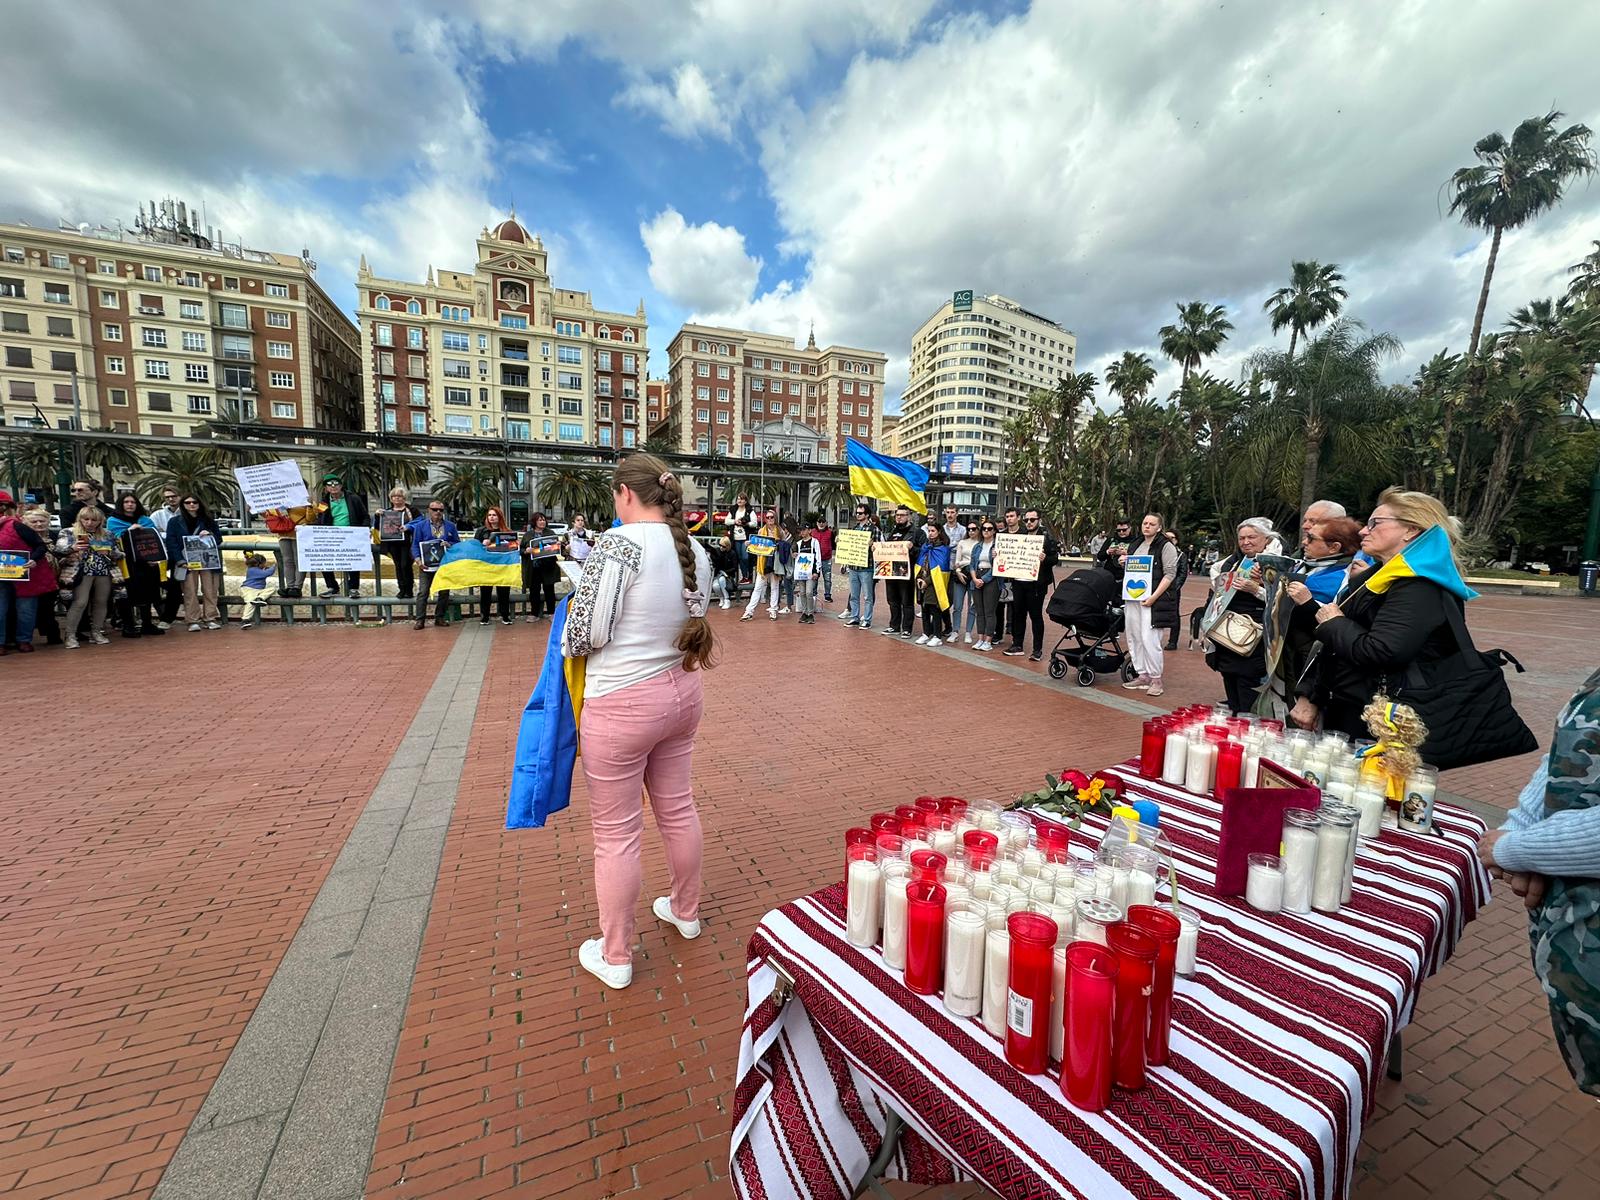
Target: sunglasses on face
[[434, 508], [988, 528]]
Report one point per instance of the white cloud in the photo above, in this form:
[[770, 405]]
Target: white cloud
[[704, 267], [688, 108]]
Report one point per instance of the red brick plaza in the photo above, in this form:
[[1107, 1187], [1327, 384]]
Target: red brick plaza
[[173, 809]]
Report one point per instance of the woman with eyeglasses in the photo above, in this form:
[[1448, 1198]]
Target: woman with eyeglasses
[[985, 588], [1329, 547], [1372, 640], [961, 583], [539, 570], [1242, 674], [201, 584], [431, 535]]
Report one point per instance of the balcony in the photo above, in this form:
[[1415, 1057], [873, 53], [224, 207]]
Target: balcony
[[514, 404], [458, 372], [510, 378], [514, 350]]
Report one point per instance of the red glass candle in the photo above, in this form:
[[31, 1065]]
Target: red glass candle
[[910, 819], [925, 936], [885, 823], [891, 845], [856, 837], [1136, 957], [954, 805], [1152, 748], [928, 865], [1054, 841], [1274, 726], [1230, 766], [1237, 727], [982, 846], [1160, 924], [1033, 943], [1216, 733], [928, 804], [1086, 1063]]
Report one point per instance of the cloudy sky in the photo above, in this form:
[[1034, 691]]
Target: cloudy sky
[[769, 163]]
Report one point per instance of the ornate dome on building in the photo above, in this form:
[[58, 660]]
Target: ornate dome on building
[[511, 230]]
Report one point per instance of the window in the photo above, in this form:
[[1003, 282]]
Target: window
[[276, 349], [419, 394], [570, 328], [157, 368], [703, 370], [385, 362], [629, 413], [794, 410], [605, 434], [152, 274], [199, 404], [154, 337], [19, 356], [702, 414], [702, 393], [510, 321], [58, 260], [12, 288], [849, 387], [847, 409], [603, 410], [236, 347], [197, 372], [724, 372], [191, 310], [56, 293], [278, 319], [602, 387], [118, 397], [794, 389], [382, 304], [566, 431], [627, 335], [109, 299], [277, 289], [191, 279], [457, 368], [758, 385], [722, 395], [158, 401], [457, 341], [485, 423], [702, 444], [236, 316], [628, 439], [748, 450], [573, 355], [390, 421], [284, 410], [602, 360], [571, 408], [386, 391], [193, 340], [383, 335], [415, 364], [569, 380], [14, 254], [239, 379], [722, 416], [414, 339], [230, 283], [13, 322], [757, 406], [457, 423], [281, 379], [457, 395], [483, 341], [419, 422]]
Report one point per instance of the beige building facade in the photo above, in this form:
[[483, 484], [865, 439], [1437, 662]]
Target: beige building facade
[[974, 363], [746, 394], [164, 327], [501, 351]]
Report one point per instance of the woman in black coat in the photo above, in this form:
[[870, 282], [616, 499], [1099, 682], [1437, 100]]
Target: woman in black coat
[[1369, 639], [1167, 612], [1242, 674], [539, 571]]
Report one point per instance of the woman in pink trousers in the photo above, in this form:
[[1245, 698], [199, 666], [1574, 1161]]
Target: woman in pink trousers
[[639, 616]]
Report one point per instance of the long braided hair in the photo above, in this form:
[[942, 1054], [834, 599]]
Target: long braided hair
[[644, 475]]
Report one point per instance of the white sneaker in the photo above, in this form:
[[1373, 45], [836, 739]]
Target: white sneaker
[[981, 647], [784, 609], [749, 616], [213, 625], [922, 641], [969, 639], [773, 613], [724, 604], [99, 639], [845, 616], [163, 624], [593, 960], [663, 910], [952, 639], [891, 632], [195, 627], [71, 643]]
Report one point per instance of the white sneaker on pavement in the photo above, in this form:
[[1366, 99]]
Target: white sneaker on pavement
[[592, 958], [784, 609], [969, 639], [195, 627], [663, 910], [772, 613], [952, 639], [922, 641]]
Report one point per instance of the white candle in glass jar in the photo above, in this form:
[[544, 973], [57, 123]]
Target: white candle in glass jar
[[1175, 758], [1083, 880], [1250, 773], [1141, 887], [1065, 915], [1333, 848], [1342, 790], [965, 935], [1031, 861], [1103, 873], [1369, 803], [862, 916], [996, 975], [1188, 942], [1299, 863], [1263, 889], [1005, 872], [1058, 1002], [1119, 886], [944, 841], [894, 922], [1199, 773]]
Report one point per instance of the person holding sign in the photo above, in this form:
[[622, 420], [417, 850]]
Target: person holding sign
[[1149, 568], [392, 524], [897, 586], [193, 529], [282, 522], [144, 584], [807, 563], [855, 553], [431, 535], [762, 546], [92, 559], [343, 510], [540, 551], [1029, 586], [23, 572], [495, 534]]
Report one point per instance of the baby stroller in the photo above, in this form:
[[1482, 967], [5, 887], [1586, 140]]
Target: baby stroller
[[1085, 602]]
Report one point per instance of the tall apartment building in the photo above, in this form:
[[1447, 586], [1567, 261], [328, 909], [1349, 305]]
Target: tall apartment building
[[166, 327], [891, 435], [746, 394], [500, 351], [974, 364]]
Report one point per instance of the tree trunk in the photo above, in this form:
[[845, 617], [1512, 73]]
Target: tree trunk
[[1483, 295], [1308, 471], [1294, 336]]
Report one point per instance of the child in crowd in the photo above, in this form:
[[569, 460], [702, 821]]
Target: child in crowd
[[806, 595], [257, 586]]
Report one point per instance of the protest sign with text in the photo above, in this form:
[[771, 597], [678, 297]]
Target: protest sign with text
[[333, 548], [1017, 555], [892, 560], [272, 485], [1136, 581], [853, 547]]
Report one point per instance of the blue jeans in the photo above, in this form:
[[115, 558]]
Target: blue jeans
[[824, 576], [863, 595], [786, 590], [958, 601], [27, 612], [743, 551]]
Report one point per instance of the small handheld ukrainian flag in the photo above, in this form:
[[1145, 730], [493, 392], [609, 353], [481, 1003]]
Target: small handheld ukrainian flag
[[469, 564], [892, 480], [547, 741], [1428, 557]]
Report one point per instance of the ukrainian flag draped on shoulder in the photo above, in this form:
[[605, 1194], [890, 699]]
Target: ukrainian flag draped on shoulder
[[547, 742], [892, 480], [935, 561], [469, 564], [1428, 557]]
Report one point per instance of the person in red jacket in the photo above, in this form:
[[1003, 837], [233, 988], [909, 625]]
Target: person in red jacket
[[824, 573], [22, 595]]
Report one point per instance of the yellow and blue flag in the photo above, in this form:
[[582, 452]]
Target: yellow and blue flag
[[892, 480], [935, 560], [547, 741], [469, 564], [1428, 557]]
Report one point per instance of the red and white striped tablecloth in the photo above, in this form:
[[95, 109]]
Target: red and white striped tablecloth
[[1278, 1042]]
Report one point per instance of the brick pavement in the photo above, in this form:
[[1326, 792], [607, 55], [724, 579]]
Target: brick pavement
[[516, 1074]]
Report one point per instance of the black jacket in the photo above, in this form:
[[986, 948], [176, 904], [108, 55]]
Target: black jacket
[[358, 511], [1226, 662], [182, 526], [1379, 636], [1106, 559]]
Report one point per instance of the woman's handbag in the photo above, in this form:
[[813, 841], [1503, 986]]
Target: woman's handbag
[[1236, 633], [1465, 703]]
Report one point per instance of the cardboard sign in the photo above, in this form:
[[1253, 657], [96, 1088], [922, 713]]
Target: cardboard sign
[[1136, 583], [202, 553], [392, 525], [893, 560], [432, 553], [15, 566], [805, 565], [853, 547], [272, 485], [761, 545], [143, 545], [333, 548], [1017, 555]]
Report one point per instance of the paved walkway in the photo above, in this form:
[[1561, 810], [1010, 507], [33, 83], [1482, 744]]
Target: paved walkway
[[149, 891]]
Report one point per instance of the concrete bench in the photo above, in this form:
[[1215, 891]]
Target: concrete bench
[[1533, 585]]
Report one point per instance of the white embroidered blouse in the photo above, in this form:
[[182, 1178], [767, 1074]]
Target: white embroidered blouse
[[629, 607]]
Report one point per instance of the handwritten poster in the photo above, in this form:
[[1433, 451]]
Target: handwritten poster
[[272, 485], [893, 560], [853, 547], [1017, 555]]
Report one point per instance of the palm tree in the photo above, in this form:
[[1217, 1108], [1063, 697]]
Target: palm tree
[[1314, 295], [1331, 396], [188, 472], [1131, 376], [30, 463], [1438, 392], [1199, 333], [406, 472], [113, 458], [576, 490], [1513, 182], [830, 497], [468, 487], [1585, 283], [1540, 317]]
